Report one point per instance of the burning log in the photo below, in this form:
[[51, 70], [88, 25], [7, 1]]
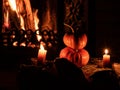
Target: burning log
[[29, 15], [18, 10]]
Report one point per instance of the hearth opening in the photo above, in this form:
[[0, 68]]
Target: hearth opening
[[30, 23]]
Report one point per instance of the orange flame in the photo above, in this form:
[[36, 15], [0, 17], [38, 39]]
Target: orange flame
[[36, 20], [39, 37], [106, 51], [41, 47], [22, 23], [6, 19], [12, 4]]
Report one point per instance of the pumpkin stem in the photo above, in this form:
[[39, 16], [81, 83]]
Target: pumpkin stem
[[76, 50], [69, 27]]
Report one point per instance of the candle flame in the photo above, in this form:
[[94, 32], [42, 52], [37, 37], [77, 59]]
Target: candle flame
[[41, 47], [106, 51]]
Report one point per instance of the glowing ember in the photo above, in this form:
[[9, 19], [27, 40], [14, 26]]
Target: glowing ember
[[15, 43], [23, 44], [12, 36], [25, 36]]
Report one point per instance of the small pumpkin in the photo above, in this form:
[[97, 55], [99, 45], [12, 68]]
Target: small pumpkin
[[73, 40], [78, 57]]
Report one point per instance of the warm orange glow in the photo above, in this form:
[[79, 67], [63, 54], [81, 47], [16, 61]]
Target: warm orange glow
[[41, 47], [15, 43], [42, 53], [22, 10], [22, 23], [12, 4], [6, 19], [47, 20], [23, 44], [39, 37], [37, 32], [20, 7], [36, 19], [12, 36], [106, 51], [106, 58], [25, 36]]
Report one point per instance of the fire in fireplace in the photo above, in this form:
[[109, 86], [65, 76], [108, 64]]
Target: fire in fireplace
[[23, 25], [27, 23]]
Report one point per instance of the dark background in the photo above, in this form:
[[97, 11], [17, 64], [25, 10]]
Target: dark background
[[103, 27], [107, 26]]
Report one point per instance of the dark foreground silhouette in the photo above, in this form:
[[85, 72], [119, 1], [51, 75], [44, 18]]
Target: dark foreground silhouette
[[61, 75]]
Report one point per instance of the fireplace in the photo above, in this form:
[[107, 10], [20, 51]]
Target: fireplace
[[28, 23]]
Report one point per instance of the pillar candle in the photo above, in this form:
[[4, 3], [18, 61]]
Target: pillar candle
[[42, 54], [106, 58]]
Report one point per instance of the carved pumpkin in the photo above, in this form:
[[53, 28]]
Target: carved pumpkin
[[75, 40], [78, 57]]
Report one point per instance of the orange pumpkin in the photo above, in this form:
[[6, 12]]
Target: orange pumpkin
[[78, 57], [76, 43], [75, 40]]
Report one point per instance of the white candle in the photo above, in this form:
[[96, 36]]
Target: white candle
[[42, 54], [106, 58]]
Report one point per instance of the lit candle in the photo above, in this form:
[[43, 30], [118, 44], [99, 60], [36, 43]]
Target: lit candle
[[106, 58], [42, 54]]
